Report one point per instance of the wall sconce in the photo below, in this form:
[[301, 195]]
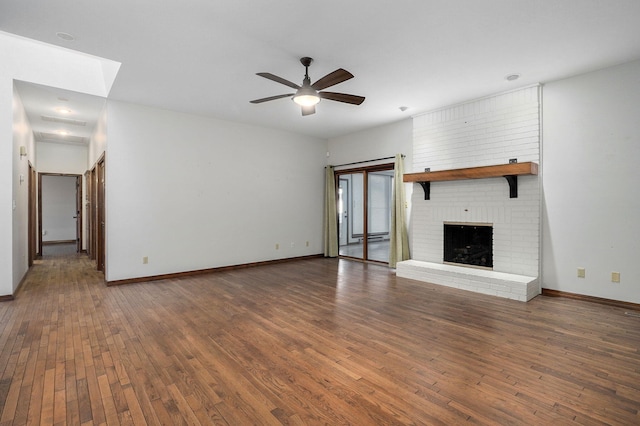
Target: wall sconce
[[23, 151]]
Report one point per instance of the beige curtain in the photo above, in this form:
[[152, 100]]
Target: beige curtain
[[330, 215], [399, 239]]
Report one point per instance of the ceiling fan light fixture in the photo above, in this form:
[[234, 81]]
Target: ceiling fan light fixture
[[306, 96], [306, 100]]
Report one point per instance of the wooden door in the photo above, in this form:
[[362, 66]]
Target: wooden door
[[33, 219], [39, 236], [78, 216], [101, 219], [91, 219]]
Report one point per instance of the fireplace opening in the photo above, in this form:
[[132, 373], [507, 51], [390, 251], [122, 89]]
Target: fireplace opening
[[469, 244]]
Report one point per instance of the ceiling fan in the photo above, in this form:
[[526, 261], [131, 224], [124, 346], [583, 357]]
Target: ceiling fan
[[308, 95]]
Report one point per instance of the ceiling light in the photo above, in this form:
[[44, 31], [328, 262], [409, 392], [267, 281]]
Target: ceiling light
[[63, 132], [403, 108], [512, 77], [63, 110], [306, 96], [65, 36]]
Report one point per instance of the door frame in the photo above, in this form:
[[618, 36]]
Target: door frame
[[78, 209], [32, 226], [79, 215], [92, 230], [100, 214], [365, 170]]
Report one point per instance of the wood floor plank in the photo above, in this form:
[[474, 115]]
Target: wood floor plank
[[316, 341]]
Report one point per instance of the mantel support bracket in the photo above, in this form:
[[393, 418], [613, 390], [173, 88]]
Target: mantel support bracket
[[512, 180], [426, 186]]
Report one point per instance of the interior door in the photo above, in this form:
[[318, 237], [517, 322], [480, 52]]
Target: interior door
[[78, 216], [91, 214], [101, 220], [62, 220], [33, 219]]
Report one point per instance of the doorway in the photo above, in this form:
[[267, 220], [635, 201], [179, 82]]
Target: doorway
[[96, 213], [59, 210], [100, 211], [364, 212]]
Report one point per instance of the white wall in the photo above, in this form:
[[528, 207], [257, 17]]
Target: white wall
[[480, 132], [35, 62], [98, 142], [591, 199], [58, 208], [97, 147], [61, 158], [22, 137], [191, 192], [378, 142]]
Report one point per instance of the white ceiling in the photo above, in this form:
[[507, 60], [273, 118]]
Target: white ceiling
[[201, 56], [44, 104]]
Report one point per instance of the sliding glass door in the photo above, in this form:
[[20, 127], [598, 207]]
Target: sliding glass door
[[380, 185], [350, 215], [364, 212]]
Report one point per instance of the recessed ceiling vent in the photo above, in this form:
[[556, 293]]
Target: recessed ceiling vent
[[64, 120], [54, 137]]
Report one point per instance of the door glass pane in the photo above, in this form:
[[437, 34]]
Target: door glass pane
[[351, 215], [379, 188]]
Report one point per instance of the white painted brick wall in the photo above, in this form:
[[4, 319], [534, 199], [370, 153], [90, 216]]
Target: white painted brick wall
[[479, 133], [484, 132]]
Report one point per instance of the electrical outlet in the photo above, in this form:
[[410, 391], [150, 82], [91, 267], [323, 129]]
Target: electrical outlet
[[581, 273], [307, 243], [145, 260], [615, 277], [293, 244], [277, 246]]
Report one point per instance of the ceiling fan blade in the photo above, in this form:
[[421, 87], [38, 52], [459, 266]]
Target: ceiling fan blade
[[342, 97], [277, 79], [308, 110], [331, 79], [271, 98]]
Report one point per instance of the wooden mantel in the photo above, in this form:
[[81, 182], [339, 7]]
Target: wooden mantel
[[509, 171]]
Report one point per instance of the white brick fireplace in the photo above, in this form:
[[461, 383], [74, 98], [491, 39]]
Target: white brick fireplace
[[485, 132]]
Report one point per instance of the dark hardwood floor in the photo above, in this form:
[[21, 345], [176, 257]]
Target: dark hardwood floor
[[312, 342]]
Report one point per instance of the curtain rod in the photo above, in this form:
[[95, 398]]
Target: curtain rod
[[368, 161]]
